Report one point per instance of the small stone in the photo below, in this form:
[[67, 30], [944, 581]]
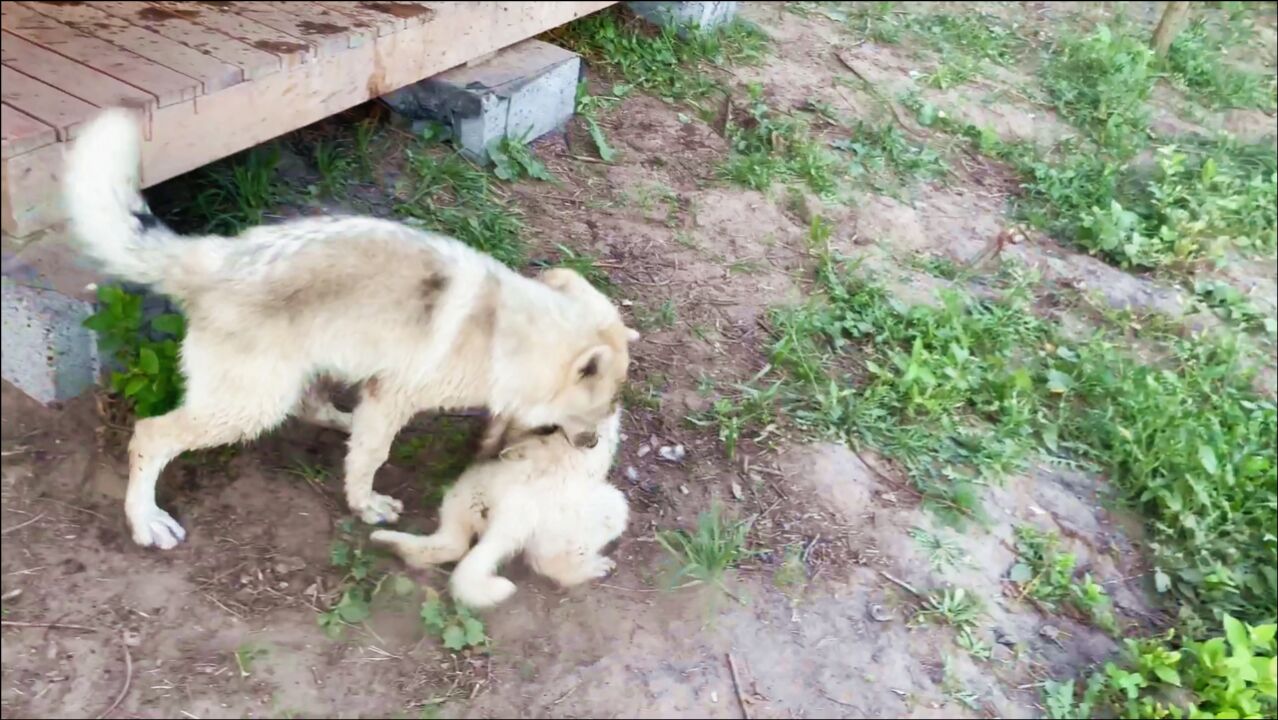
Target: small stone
[[672, 453], [878, 613], [644, 450], [132, 638], [684, 489], [714, 696], [286, 564], [736, 490], [632, 474]]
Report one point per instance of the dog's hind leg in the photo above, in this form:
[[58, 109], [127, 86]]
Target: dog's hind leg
[[378, 417], [218, 409]]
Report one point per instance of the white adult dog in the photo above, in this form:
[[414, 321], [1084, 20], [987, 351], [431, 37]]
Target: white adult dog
[[420, 320], [541, 495]]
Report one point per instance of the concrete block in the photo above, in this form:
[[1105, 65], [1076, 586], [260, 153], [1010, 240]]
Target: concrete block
[[46, 353], [686, 15], [526, 90]]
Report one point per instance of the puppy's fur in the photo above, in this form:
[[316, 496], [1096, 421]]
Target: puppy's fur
[[541, 495], [421, 320]]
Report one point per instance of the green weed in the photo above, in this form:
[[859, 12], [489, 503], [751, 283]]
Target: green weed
[[589, 108], [245, 655], [1233, 306], [1198, 64], [663, 317], [359, 583], [733, 416], [334, 167], [226, 197], [664, 62], [884, 150], [953, 606], [1226, 676], [584, 264], [768, 148], [453, 624], [447, 194], [513, 159], [706, 554], [145, 351], [1101, 81], [942, 552], [1046, 574]]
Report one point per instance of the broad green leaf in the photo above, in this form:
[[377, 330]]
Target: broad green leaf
[[148, 361], [169, 323], [1162, 581], [1167, 675], [474, 631], [1058, 382], [454, 637], [1236, 632], [134, 386], [1208, 459], [352, 608], [1021, 573], [403, 585]]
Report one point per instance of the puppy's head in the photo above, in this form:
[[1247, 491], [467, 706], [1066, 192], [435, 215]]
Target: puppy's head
[[590, 386]]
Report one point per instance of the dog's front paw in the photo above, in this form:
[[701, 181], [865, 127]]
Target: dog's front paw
[[378, 509], [482, 592], [153, 527], [601, 567]]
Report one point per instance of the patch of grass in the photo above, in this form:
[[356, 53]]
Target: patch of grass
[[884, 150], [359, 583], [953, 606], [767, 148], [664, 62], [145, 351], [447, 194], [1100, 82], [717, 544], [1196, 60], [1046, 574], [793, 572], [226, 197], [733, 416], [334, 167], [1195, 201], [439, 455], [455, 626], [663, 317], [942, 552], [1233, 306], [590, 107], [1229, 675], [961, 394]]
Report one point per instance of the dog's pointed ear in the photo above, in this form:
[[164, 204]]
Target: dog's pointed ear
[[590, 364], [632, 335]]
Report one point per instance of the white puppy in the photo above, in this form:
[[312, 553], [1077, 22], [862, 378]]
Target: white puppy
[[541, 495]]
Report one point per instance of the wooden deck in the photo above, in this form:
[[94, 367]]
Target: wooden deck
[[213, 78]]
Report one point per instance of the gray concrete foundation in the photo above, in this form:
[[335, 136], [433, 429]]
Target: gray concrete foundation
[[686, 15], [524, 91]]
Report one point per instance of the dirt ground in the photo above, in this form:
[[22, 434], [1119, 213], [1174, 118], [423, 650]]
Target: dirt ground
[[225, 624]]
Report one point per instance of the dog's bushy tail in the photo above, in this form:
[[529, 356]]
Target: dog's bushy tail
[[104, 203]]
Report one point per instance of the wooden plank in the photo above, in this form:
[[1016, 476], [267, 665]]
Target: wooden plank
[[167, 86], [292, 51], [44, 102], [20, 133], [178, 24], [30, 187], [250, 113], [327, 31], [385, 23], [69, 76], [212, 73]]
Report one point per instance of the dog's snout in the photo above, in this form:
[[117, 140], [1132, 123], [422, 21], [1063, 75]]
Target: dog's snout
[[586, 440]]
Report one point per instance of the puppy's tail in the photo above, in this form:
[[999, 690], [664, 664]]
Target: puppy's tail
[[107, 213]]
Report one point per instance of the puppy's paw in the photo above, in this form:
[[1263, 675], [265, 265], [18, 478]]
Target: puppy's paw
[[482, 592], [377, 509], [152, 527]]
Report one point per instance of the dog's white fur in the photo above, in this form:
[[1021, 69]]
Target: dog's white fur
[[541, 495], [421, 320]]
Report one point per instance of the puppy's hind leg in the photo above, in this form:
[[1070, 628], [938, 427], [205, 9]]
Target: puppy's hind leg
[[457, 525], [475, 582]]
